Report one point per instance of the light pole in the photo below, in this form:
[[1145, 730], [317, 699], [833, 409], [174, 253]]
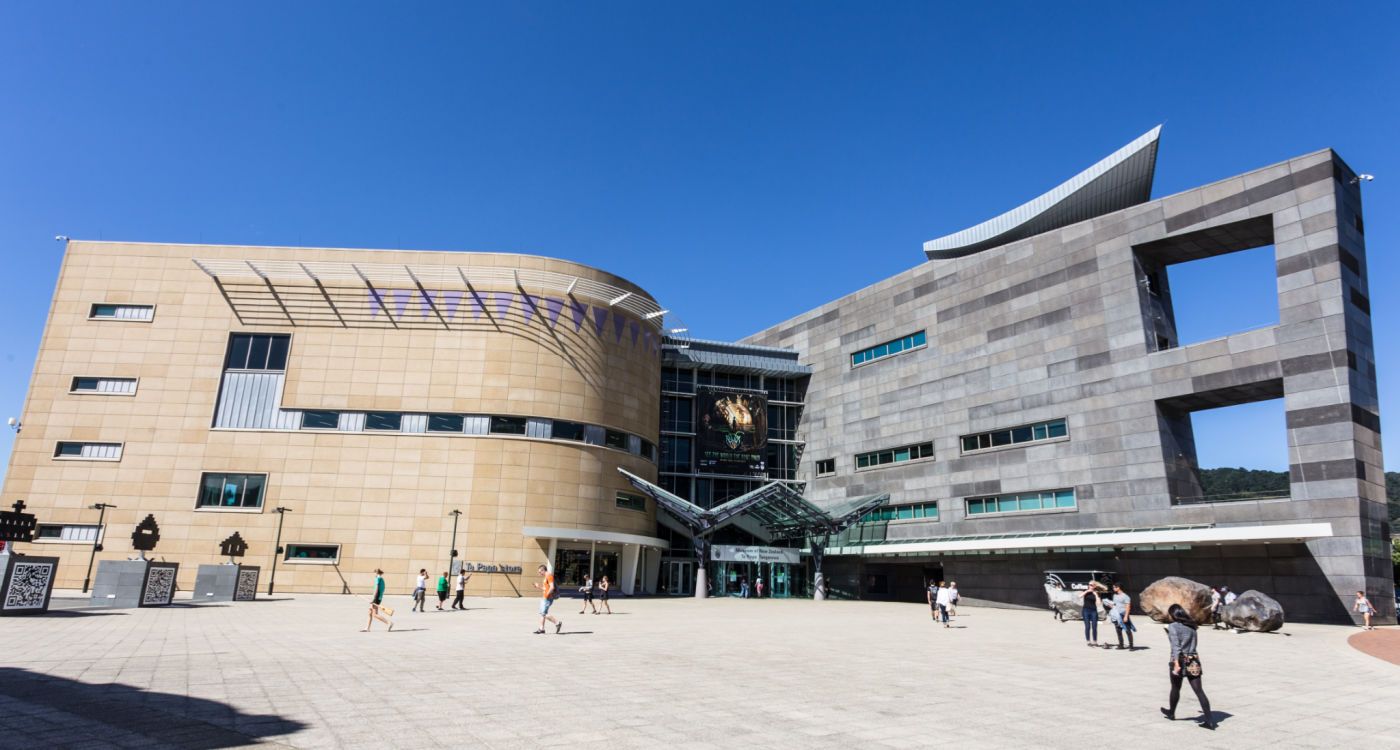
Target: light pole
[[277, 546], [456, 514], [101, 509]]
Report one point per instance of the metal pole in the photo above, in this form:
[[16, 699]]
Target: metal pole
[[96, 543], [455, 515], [276, 547]]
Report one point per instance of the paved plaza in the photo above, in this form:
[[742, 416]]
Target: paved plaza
[[728, 673]]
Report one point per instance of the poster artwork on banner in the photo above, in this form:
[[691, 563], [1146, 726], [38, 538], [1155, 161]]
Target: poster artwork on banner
[[732, 432]]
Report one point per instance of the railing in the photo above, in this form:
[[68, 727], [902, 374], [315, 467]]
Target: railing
[[1233, 497]]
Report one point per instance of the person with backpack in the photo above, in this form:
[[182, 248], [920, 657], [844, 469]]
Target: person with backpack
[[548, 594], [1185, 664]]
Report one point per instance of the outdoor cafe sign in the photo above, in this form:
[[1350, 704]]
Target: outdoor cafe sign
[[735, 553]]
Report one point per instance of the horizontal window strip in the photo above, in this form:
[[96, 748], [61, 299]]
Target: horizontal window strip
[[88, 451], [926, 511], [114, 386], [889, 349], [122, 312], [1028, 433], [876, 459], [1021, 503]]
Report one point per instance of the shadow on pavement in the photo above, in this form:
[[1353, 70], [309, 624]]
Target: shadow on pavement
[[38, 704]]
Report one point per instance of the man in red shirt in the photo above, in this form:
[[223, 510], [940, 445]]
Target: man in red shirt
[[548, 593]]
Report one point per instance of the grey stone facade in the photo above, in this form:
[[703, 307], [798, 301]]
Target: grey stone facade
[[1076, 323]]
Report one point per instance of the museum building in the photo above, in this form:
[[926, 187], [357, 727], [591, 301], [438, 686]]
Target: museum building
[[1018, 402]]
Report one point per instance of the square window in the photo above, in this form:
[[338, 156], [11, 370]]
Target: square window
[[1057, 429], [1001, 437], [1021, 435], [974, 507]]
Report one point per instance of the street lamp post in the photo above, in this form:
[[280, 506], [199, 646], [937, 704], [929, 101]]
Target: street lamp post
[[101, 509], [456, 514], [277, 546]]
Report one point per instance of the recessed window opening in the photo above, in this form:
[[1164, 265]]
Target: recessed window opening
[[325, 554], [1209, 462], [826, 467], [220, 490], [381, 420], [508, 425]]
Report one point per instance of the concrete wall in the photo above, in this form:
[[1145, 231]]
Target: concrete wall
[[1061, 326], [384, 497]]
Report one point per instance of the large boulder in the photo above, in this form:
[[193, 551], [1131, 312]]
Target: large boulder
[[1157, 598], [1254, 611]]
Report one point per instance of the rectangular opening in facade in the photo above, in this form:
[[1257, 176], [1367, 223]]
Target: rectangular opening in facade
[[1207, 462], [1207, 284]]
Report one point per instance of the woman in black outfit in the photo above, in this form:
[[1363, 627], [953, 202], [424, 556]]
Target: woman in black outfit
[[1185, 662], [1089, 601]]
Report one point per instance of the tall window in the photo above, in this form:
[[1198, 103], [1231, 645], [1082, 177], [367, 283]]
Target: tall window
[[257, 351], [889, 349], [219, 490], [675, 453]]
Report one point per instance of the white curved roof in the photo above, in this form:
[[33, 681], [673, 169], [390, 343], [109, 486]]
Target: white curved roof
[[1121, 180]]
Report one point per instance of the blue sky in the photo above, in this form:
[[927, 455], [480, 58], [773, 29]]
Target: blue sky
[[814, 144]]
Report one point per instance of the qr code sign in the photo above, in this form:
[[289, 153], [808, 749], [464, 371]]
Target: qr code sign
[[247, 589], [160, 586], [29, 585]]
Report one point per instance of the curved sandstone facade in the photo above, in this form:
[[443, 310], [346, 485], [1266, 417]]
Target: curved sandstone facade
[[414, 383]]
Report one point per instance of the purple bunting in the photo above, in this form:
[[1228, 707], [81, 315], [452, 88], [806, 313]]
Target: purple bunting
[[580, 312], [503, 302], [554, 307], [376, 304], [453, 300], [530, 307], [618, 323], [401, 297], [636, 329], [600, 315]]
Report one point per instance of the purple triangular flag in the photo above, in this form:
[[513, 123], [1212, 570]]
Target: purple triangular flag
[[503, 302], [636, 329], [618, 323], [376, 303], [580, 312], [600, 315], [453, 300], [553, 307], [401, 297], [530, 306]]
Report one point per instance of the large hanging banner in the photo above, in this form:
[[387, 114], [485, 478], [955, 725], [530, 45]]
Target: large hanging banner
[[732, 431]]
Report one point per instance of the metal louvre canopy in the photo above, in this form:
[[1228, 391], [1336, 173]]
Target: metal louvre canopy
[[352, 294], [781, 511]]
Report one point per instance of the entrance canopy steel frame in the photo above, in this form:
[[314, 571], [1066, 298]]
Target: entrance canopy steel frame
[[781, 511]]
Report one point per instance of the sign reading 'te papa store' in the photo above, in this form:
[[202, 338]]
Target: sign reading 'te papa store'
[[733, 553]]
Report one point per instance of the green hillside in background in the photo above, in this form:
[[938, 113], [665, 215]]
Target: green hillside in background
[[1229, 481]]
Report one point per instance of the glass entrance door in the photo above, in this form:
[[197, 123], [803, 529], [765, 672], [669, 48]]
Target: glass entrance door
[[782, 580], [679, 577]]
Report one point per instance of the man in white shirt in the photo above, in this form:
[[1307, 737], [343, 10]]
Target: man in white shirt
[[945, 600], [462, 576]]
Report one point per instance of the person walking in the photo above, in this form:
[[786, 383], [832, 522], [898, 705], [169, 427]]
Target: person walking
[[442, 590], [462, 577], [548, 593], [944, 600], [743, 587], [1089, 610], [1364, 608], [603, 589], [1215, 604], [375, 604], [1122, 623], [420, 590], [587, 589], [1185, 663], [953, 598], [758, 588], [933, 599]]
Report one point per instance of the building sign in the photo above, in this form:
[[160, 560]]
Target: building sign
[[732, 432], [470, 567], [733, 553]]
